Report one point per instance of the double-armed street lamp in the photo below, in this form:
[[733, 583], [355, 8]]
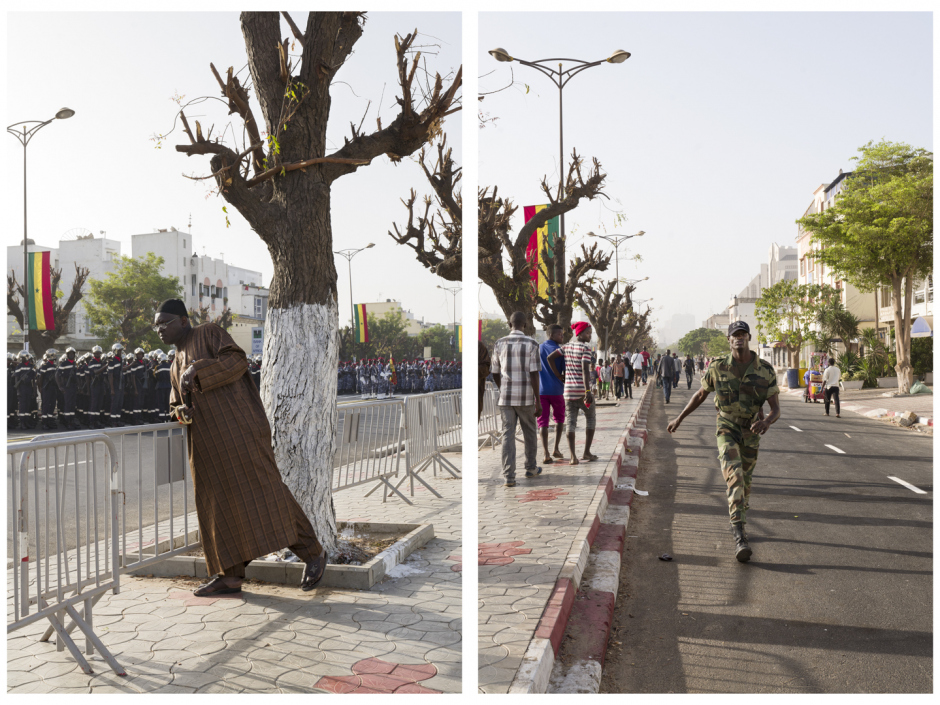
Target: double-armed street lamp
[[24, 131], [349, 253], [454, 290], [560, 78], [615, 240]]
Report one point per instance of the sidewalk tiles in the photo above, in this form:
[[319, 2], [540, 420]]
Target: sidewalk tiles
[[526, 535], [402, 636]]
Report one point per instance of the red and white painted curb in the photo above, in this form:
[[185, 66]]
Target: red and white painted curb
[[582, 602], [869, 411]]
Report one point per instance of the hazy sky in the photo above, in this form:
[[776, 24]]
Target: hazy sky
[[714, 134], [99, 170]]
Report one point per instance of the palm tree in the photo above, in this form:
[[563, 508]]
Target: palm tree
[[836, 322]]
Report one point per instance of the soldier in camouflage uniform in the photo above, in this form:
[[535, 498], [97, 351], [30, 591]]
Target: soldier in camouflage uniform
[[742, 382]]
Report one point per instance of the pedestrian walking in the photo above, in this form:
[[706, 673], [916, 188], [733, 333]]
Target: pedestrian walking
[[552, 390], [515, 368], [689, 366], [665, 370], [629, 375], [676, 370], [243, 507], [619, 369], [483, 371], [646, 364], [606, 378], [742, 382], [830, 383], [578, 397], [637, 364]]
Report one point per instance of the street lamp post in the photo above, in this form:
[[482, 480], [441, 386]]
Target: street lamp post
[[349, 253], [454, 291], [560, 78], [615, 240], [24, 131]]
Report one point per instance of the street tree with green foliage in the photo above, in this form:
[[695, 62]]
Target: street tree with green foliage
[[438, 339], [704, 341], [493, 330], [787, 311], [121, 306], [880, 232]]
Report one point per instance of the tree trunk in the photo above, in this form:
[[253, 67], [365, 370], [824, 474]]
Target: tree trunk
[[902, 331], [301, 345]]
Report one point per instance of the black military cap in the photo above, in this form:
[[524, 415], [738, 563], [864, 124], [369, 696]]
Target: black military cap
[[739, 325]]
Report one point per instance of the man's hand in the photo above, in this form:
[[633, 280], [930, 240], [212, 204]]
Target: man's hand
[[673, 426], [760, 426], [188, 379], [588, 397]]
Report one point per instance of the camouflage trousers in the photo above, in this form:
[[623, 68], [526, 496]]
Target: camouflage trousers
[[737, 453]]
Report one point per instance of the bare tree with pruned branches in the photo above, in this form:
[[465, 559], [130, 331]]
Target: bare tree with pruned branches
[[280, 179], [42, 340], [504, 264], [436, 238]]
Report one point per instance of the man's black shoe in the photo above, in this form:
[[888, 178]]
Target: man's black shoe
[[533, 473], [510, 483], [743, 550]]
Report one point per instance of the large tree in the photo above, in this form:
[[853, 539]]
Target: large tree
[[121, 307], [504, 264], [606, 309], [880, 232], [787, 311], [281, 185], [704, 341], [42, 340]]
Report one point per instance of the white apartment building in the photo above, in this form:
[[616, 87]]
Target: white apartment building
[[782, 264], [814, 272]]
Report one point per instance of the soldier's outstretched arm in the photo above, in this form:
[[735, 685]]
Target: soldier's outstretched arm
[[694, 403]]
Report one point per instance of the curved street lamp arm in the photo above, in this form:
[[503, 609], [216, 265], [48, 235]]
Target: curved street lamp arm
[[24, 135], [572, 72]]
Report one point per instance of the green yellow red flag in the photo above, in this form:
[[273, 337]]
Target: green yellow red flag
[[361, 324], [39, 285], [541, 243], [459, 338]]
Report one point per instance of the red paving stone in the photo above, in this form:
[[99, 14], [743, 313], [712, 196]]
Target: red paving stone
[[459, 567], [541, 495], [373, 675], [500, 553]]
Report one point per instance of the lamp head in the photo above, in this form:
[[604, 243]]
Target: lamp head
[[618, 57], [64, 113], [371, 244], [501, 54]]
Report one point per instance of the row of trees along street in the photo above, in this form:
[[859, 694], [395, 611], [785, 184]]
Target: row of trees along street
[[878, 233]]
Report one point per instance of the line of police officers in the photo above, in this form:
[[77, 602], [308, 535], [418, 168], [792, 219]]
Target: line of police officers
[[374, 378], [92, 391]]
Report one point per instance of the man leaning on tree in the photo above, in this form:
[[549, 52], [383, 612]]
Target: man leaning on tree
[[244, 509]]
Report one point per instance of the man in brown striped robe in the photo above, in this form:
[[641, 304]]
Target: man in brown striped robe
[[244, 508]]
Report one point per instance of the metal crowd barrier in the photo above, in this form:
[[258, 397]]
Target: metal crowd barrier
[[50, 581], [370, 437], [489, 426]]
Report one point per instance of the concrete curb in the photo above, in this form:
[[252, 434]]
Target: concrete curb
[[585, 591], [869, 411]]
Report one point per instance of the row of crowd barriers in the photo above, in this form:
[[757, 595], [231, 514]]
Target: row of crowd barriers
[[490, 425], [87, 507]]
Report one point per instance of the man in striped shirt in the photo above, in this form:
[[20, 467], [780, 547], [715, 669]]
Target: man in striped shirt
[[578, 395], [515, 367]]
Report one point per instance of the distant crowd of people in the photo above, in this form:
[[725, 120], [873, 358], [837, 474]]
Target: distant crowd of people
[[378, 379]]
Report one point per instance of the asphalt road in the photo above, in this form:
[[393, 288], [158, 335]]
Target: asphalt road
[[837, 597]]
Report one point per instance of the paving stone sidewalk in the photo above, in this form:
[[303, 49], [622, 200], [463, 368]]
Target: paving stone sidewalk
[[402, 636], [525, 533]]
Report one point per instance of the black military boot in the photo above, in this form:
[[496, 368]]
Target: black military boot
[[743, 550]]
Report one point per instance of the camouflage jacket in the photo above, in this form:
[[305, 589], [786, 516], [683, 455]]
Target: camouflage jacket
[[740, 397]]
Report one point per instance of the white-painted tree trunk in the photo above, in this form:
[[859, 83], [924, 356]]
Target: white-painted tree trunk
[[298, 388]]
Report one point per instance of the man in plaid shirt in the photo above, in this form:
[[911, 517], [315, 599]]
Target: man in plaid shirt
[[515, 367]]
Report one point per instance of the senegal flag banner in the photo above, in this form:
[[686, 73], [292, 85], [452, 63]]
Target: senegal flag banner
[[361, 324], [542, 239], [391, 366], [459, 338], [39, 283]]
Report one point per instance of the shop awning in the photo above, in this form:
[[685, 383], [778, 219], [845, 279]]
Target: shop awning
[[921, 329]]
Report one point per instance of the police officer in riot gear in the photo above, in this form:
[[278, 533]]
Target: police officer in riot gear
[[67, 379], [115, 374]]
